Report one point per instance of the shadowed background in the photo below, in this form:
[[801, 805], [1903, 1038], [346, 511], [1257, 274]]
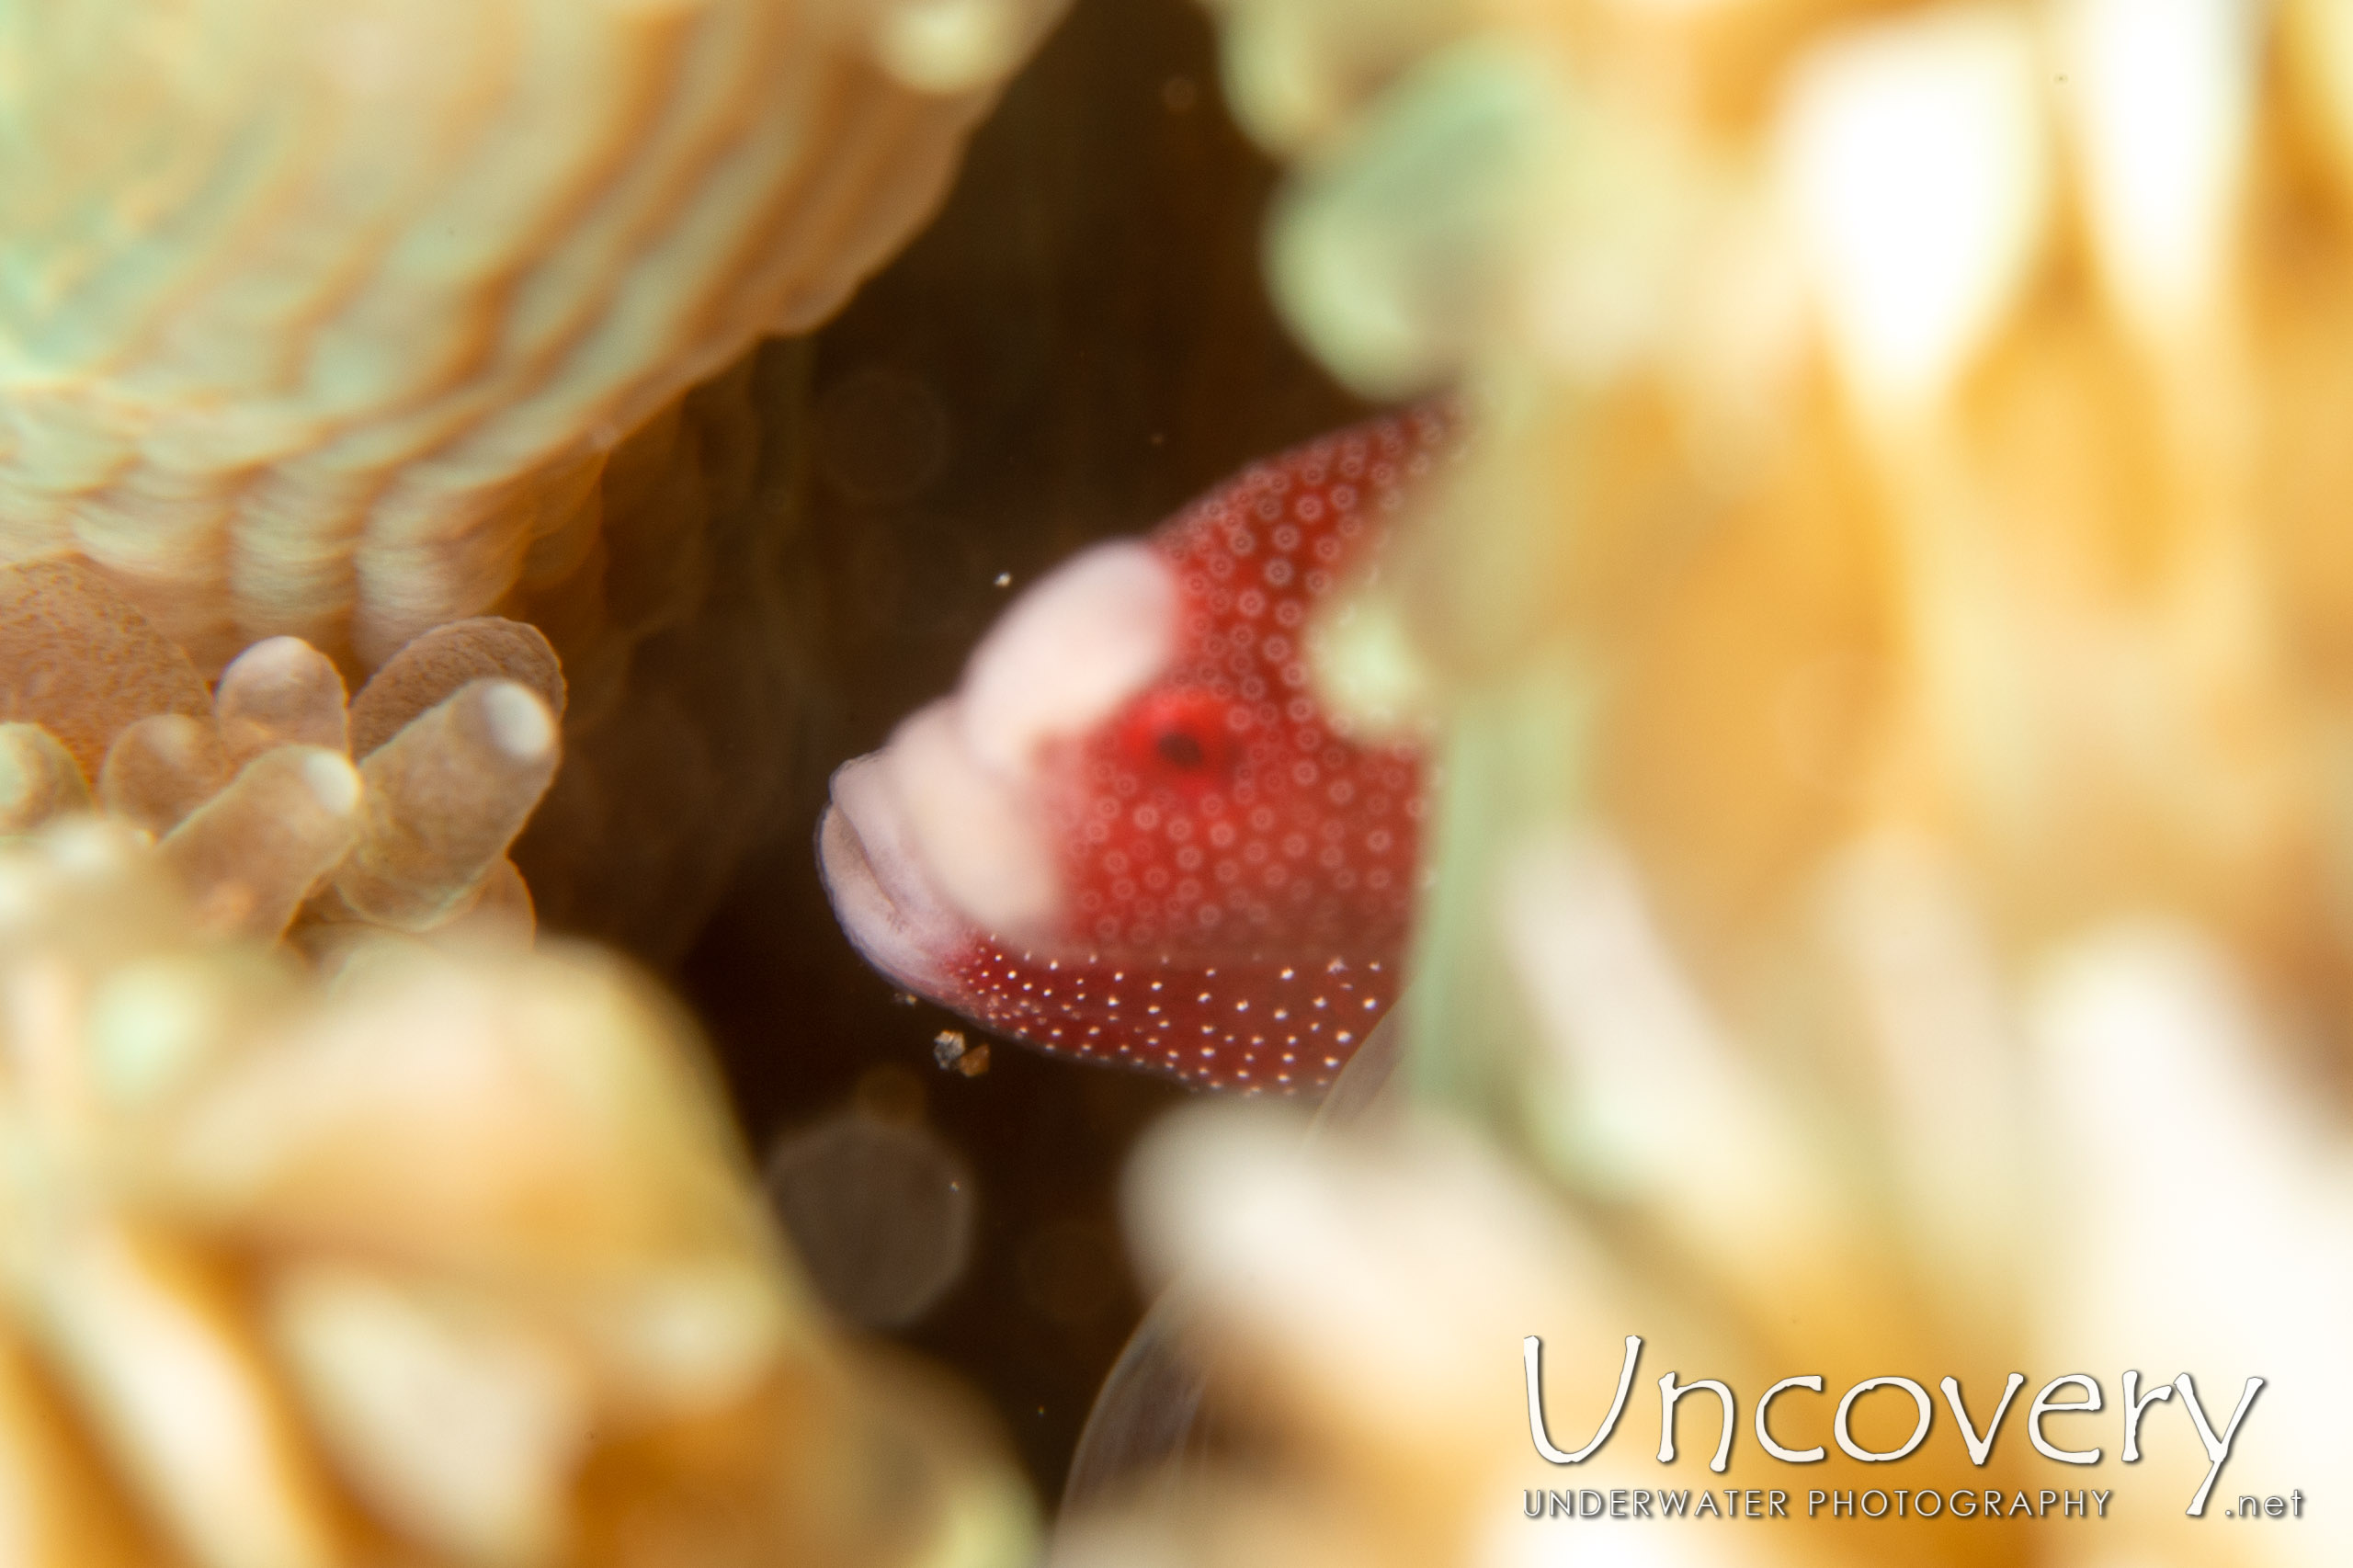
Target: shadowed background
[[1079, 344]]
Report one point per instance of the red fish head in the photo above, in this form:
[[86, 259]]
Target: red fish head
[[1132, 832]]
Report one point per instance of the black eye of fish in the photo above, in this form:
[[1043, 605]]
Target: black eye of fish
[[1180, 750]]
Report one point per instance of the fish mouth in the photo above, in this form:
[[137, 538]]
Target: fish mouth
[[887, 903], [940, 844]]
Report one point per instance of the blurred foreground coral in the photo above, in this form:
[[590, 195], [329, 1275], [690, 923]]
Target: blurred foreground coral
[[1895, 413], [399, 1230], [2103, 1169], [432, 1258], [1886, 644]]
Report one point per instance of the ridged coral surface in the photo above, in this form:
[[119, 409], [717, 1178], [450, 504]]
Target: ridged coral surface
[[320, 320]]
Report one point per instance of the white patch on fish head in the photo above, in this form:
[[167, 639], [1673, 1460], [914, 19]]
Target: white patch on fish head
[[1069, 654], [942, 838]]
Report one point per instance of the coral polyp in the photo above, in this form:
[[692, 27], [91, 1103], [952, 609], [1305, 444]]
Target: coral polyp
[[275, 800]]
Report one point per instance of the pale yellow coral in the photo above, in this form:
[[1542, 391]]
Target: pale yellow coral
[[451, 1262], [1999, 1181], [1920, 412], [1887, 642], [254, 799], [321, 322]]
